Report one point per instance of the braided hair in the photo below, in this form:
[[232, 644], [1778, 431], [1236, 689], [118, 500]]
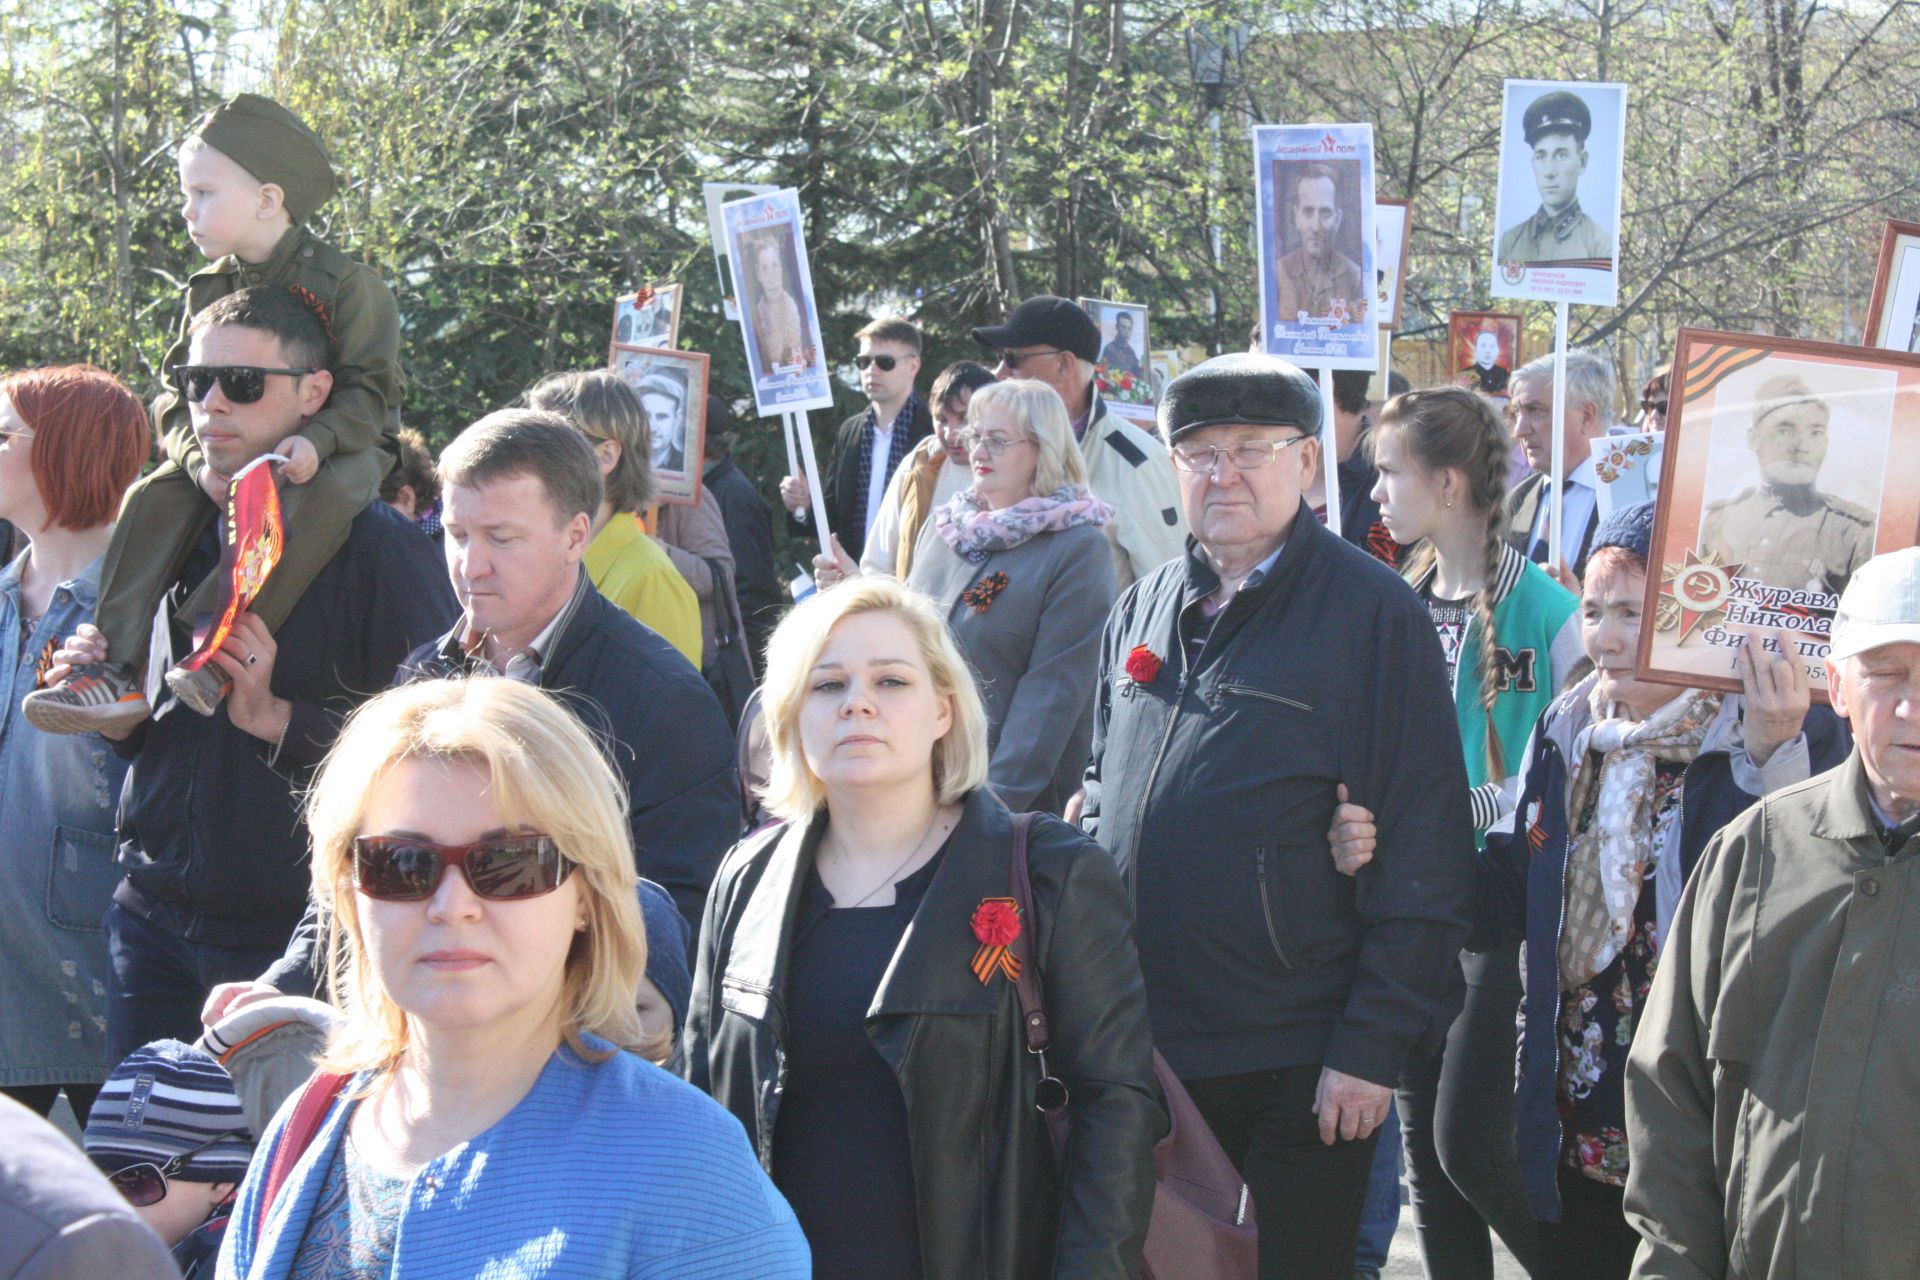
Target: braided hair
[[1452, 427]]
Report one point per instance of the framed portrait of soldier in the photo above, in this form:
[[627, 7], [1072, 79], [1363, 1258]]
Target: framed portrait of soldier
[[1392, 244], [672, 387], [648, 317], [1893, 315], [778, 320], [1123, 375], [1557, 215], [1483, 350], [717, 194], [1314, 208], [1788, 465]]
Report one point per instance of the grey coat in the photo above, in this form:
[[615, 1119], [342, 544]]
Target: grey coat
[[1034, 649], [59, 1219]]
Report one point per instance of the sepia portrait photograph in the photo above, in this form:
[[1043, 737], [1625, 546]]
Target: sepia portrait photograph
[[1483, 350], [717, 195], [672, 386], [1893, 314], [1314, 195], [1788, 465], [1557, 216], [778, 320]]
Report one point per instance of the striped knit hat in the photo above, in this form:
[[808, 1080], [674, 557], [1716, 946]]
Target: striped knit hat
[[163, 1100]]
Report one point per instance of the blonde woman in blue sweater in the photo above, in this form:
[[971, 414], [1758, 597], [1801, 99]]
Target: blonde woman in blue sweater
[[1511, 638], [493, 1107]]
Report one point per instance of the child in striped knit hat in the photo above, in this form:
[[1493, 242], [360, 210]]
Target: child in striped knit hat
[[168, 1132]]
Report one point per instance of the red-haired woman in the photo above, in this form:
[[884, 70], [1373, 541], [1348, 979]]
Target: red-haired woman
[[71, 441]]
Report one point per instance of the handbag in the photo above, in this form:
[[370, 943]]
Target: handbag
[[730, 671], [1202, 1226]]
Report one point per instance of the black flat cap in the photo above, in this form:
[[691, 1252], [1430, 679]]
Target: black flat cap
[[1556, 112], [1044, 321], [1242, 387]]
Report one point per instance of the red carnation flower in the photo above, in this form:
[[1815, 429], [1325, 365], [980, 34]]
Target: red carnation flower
[[996, 922], [1143, 665]]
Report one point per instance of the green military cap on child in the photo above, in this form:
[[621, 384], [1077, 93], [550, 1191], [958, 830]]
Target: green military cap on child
[[273, 145]]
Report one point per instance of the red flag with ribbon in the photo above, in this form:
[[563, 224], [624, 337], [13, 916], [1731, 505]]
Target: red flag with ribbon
[[255, 538]]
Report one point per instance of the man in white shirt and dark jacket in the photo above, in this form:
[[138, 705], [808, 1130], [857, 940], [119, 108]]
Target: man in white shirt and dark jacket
[[1244, 688]]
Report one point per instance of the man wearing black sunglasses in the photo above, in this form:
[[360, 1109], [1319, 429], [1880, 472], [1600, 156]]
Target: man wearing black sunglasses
[[869, 445], [209, 824], [1053, 340]]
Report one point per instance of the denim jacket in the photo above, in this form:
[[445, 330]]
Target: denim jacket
[[58, 794]]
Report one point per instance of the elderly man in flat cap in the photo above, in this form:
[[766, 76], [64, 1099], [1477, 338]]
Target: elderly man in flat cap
[[1784, 531], [1245, 689], [1773, 1088], [1556, 126]]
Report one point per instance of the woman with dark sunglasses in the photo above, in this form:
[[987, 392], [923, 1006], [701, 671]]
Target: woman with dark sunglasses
[[853, 1003], [472, 863], [71, 441]]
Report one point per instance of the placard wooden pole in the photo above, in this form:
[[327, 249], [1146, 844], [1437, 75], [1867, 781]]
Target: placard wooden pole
[[786, 434], [1558, 476], [1386, 365], [1330, 445], [799, 418]]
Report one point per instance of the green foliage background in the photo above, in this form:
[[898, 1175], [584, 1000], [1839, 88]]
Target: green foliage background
[[511, 165]]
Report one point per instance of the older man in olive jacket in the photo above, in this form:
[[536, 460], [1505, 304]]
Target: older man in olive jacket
[[1773, 1090]]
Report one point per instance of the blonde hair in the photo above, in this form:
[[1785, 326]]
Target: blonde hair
[[545, 773], [960, 757], [1037, 411], [597, 404]]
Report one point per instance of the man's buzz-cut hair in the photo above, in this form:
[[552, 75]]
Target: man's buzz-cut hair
[[271, 309], [891, 329], [528, 442]]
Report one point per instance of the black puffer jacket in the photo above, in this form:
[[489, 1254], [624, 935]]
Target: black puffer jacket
[[989, 1200]]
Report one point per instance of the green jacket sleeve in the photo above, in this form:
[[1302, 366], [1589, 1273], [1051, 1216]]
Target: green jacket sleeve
[[1675, 1198], [366, 367]]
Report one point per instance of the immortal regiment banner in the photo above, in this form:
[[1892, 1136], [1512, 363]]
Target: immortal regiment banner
[[255, 538], [1123, 375], [1627, 468], [1392, 243], [1314, 223], [1483, 350], [672, 387], [1788, 465], [717, 194], [1893, 316], [778, 321], [1558, 210], [648, 317]]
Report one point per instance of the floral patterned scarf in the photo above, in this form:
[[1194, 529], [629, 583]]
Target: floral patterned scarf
[[976, 532], [1607, 859]]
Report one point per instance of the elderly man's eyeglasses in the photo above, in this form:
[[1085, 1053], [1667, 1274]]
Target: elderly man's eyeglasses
[[145, 1184], [240, 383], [1248, 455], [1013, 359], [503, 869], [994, 445], [884, 363]]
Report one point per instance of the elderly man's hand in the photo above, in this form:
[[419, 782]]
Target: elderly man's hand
[[1348, 1106], [1352, 835], [1777, 697]]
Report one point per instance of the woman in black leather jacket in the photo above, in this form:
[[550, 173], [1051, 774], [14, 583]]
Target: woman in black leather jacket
[[838, 1008]]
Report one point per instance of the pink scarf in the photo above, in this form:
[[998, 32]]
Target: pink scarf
[[976, 532]]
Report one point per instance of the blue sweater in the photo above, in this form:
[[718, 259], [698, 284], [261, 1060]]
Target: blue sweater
[[606, 1170]]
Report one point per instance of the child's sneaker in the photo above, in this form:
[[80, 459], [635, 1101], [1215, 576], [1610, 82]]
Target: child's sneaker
[[201, 689], [101, 696]]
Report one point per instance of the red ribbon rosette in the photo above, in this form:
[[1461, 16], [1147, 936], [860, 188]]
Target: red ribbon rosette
[[1143, 665], [996, 923]]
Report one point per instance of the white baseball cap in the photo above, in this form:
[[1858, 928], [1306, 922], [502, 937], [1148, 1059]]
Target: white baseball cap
[[1880, 606]]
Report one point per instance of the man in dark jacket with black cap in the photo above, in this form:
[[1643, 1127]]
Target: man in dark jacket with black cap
[[1053, 340], [1244, 689]]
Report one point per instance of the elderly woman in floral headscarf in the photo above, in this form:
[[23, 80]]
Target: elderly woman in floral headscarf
[[1625, 782], [1018, 565]]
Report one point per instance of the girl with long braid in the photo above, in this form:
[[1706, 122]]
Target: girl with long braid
[[1511, 639]]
